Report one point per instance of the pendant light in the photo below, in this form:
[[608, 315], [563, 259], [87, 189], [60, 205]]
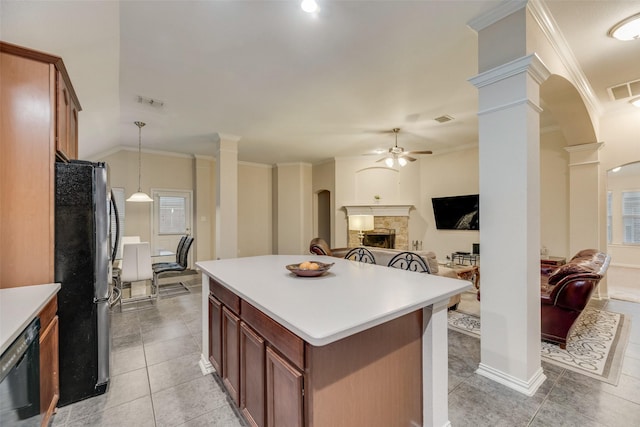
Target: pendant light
[[139, 196]]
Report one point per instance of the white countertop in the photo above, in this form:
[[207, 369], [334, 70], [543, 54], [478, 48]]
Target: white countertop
[[348, 299], [19, 306]]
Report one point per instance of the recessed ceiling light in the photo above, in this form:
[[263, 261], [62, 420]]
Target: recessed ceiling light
[[628, 29], [309, 6]]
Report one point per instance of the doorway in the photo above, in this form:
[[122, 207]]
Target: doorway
[[170, 219], [623, 231], [324, 216]]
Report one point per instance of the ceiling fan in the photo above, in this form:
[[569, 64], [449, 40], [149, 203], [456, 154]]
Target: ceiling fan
[[398, 155]]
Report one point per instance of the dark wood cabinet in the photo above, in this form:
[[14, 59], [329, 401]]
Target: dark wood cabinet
[[231, 353], [252, 376], [49, 362], [287, 382], [284, 394], [215, 333]]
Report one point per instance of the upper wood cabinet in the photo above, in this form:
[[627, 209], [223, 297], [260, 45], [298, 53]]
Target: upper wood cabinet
[[30, 124], [66, 121]]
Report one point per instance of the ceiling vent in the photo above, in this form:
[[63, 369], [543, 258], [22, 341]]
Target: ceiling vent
[[443, 119], [150, 101], [624, 90]]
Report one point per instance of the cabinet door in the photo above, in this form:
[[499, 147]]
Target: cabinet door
[[284, 394], [49, 385], [63, 113], [72, 145], [231, 353], [215, 334], [252, 371]]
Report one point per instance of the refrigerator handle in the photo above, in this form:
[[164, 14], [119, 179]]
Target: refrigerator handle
[[114, 251]]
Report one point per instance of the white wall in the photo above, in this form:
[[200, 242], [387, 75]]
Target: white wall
[[254, 209], [295, 216], [158, 171], [554, 197], [182, 172], [450, 174], [358, 179]]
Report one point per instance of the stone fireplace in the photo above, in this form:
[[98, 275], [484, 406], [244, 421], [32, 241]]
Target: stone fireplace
[[388, 219]]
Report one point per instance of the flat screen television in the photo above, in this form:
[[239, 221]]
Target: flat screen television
[[457, 212]]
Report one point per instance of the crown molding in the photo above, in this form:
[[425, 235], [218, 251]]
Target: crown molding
[[497, 13], [255, 165], [540, 12]]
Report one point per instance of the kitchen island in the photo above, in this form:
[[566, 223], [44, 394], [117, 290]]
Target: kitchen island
[[361, 345]]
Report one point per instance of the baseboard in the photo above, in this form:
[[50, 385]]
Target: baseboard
[[205, 366], [528, 388]]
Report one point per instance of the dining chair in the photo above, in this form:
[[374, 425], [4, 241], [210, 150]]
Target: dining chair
[[136, 264], [409, 261], [182, 258]]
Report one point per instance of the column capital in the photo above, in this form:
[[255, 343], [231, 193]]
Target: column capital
[[531, 64]]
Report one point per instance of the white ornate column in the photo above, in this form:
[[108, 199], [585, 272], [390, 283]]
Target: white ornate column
[[509, 131], [226, 240]]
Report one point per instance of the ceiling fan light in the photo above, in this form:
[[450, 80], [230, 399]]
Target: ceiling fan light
[[309, 6], [389, 162], [402, 161], [628, 29], [635, 102]]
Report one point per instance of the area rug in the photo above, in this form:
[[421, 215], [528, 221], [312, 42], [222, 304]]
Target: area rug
[[595, 347]]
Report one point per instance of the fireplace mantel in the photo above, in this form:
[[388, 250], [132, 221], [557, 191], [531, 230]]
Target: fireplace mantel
[[378, 209]]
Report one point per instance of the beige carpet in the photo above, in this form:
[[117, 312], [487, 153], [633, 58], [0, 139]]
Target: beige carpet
[[595, 347]]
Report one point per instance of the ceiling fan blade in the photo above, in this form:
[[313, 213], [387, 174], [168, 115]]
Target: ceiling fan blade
[[382, 159], [419, 152], [411, 159]]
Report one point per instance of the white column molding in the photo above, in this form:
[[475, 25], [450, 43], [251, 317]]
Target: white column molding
[[509, 149], [226, 239], [435, 359]]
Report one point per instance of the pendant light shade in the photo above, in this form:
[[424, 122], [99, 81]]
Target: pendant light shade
[[139, 196]]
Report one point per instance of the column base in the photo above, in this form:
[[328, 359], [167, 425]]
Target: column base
[[205, 366], [528, 388]]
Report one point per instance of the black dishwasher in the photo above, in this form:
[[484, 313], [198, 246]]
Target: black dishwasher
[[20, 380]]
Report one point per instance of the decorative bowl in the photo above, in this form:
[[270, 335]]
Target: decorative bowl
[[322, 268]]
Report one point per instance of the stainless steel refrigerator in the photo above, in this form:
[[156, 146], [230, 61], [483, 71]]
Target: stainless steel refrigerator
[[82, 254]]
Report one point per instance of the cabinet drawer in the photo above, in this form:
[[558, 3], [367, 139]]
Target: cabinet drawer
[[228, 298], [286, 342]]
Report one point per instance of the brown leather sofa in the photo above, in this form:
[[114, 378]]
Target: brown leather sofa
[[566, 290]]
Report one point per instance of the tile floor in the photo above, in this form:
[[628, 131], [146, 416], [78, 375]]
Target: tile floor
[[156, 381]]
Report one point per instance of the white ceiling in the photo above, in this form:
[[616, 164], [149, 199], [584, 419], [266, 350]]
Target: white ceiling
[[291, 86]]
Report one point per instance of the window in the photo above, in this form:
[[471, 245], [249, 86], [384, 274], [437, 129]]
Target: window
[[172, 215], [609, 217], [631, 216]]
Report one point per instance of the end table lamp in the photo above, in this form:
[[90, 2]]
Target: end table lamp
[[361, 223]]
